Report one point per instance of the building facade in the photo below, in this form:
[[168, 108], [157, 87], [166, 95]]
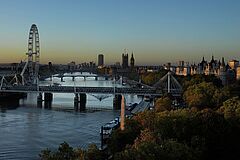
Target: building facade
[[233, 64], [100, 60], [238, 72], [227, 72]]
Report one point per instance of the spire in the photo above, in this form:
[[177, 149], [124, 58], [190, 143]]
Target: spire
[[132, 61], [203, 63], [132, 58], [223, 63]]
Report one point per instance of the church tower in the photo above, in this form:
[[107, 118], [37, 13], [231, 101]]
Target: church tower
[[125, 59]]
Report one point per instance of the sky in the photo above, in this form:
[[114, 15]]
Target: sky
[[156, 31]]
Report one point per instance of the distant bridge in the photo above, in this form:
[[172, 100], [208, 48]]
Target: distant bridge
[[81, 75]]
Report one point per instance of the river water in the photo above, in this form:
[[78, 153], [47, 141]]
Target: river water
[[25, 129]]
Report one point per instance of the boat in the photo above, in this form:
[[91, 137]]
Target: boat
[[124, 84], [146, 98], [108, 128], [132, 106], [55, 84]]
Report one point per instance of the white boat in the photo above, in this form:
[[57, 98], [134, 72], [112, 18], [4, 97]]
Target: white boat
[[109, 127], [55, 84]]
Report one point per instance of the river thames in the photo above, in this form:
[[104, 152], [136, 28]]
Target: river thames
[[26, 129]]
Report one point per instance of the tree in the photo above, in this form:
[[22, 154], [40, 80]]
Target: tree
[[146, 119], [145, 136], [220, 95], [149, 150], [163, 104], [45, 154], [121, 138], [93, 153], [231, 108], [152, 77], [200, 95], [148, 78], [80, 154], [133, 76], [200, 78], [174, 150], [65, 152]]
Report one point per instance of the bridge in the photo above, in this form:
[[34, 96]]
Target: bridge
[[77, 89], [80, 75], [167, 84]]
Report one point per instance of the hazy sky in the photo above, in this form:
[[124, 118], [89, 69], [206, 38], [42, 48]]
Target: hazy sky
[[156, 31]]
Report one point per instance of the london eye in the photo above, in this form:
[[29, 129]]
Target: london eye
[[33, 54]]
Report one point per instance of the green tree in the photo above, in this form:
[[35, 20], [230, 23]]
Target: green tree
[[148, 78], [200, 78], [200, 95], [152, 77], [64, 152], [220, 95], [231, 108], [174, 150], [93, 153], [133, 76], [148, 150], [119, 139], [45, 154], [163, 104]]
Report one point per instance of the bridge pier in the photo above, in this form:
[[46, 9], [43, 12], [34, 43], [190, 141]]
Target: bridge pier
[[117, 101], [62, 79], [48, 97], [83, 101], [39, 100], [76, 102]]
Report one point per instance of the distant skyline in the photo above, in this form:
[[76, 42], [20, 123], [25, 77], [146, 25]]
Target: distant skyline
[[157, 31]]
